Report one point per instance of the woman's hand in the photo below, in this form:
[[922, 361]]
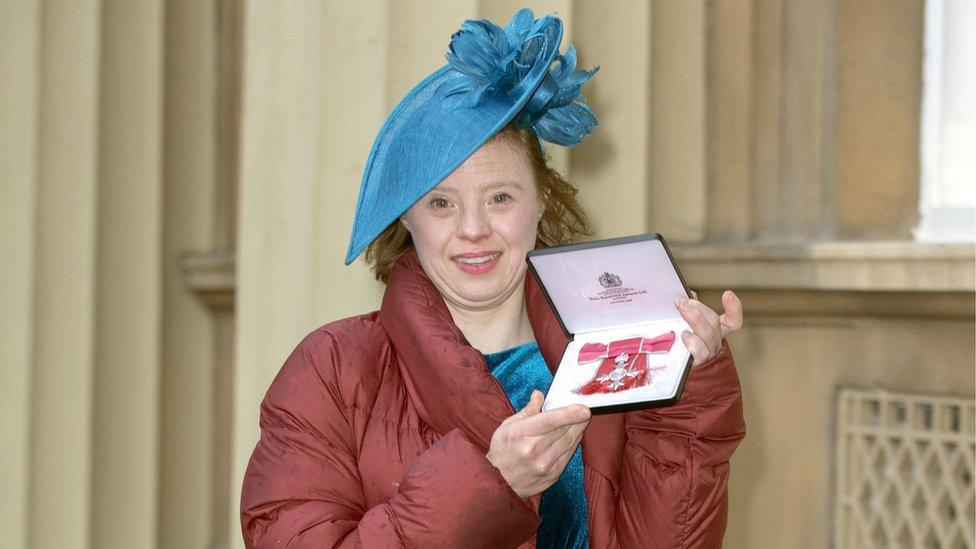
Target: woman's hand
[[708, 328], [531, 448]]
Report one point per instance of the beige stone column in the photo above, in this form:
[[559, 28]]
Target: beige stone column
[[20, 36], [879, 88], [676, 153], [128, 282], [64, 299], [765, 71], [804, 190], [84, 156], [188, 384], [729, 82], [611, 167], [771, 120]]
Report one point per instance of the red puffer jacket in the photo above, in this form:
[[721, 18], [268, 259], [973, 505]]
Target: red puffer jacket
[[375, 431]]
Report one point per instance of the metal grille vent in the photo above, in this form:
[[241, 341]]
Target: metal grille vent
[[904, 471]]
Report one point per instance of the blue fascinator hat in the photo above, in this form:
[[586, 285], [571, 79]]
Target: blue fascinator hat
[[493, 76]]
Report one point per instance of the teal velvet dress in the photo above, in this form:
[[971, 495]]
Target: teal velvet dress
[[520, 370]]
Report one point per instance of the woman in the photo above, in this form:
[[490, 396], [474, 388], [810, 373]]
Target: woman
[[398, 427]]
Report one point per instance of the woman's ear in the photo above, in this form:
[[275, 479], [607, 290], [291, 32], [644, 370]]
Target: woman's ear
[[405, 223]]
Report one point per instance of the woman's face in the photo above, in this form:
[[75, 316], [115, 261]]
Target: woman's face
[[473, 230]]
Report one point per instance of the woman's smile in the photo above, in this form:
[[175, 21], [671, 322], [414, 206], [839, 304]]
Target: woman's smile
[[478, 262]]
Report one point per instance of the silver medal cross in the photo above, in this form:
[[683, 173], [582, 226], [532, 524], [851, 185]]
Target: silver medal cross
[[619, 374]]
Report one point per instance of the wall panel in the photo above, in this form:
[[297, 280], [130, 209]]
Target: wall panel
[[613, 163], [188, 434], [676, 152], [61, 452], [729, 88], [879, 87], [20, 26], [128, 280]]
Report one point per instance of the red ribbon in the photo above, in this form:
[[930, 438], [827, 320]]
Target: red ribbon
[[624, 363]]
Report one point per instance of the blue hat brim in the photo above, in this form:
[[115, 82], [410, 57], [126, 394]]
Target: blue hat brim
[[427, 136]]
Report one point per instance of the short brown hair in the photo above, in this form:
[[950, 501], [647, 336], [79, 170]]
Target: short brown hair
[[563, 220]]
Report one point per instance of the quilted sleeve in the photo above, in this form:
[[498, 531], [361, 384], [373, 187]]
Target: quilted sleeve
[[674, 479], [302, 486]]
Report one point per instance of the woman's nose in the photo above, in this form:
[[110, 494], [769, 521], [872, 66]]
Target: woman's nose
[[473, 224]]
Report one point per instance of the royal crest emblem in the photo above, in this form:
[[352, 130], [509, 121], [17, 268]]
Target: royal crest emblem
[[610, 280]]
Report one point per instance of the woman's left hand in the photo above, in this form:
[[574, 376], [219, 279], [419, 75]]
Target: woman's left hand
[[708, 328]]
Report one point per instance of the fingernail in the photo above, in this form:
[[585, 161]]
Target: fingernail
[[680, 302]]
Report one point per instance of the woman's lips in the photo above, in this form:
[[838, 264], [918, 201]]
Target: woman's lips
[[476, 263]]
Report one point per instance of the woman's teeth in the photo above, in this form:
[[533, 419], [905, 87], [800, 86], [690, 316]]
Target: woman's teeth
[[476, 260]]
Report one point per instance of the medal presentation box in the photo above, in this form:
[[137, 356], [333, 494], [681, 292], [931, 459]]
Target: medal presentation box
[[616, 301]]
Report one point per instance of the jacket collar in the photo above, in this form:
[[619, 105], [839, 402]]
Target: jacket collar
[[447, 379]]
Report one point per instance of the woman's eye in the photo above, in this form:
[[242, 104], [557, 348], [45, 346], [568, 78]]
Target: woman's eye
[[438, 203], [501, 198]]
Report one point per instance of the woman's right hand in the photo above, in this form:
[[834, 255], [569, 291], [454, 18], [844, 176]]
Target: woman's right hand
[[531, 448]]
